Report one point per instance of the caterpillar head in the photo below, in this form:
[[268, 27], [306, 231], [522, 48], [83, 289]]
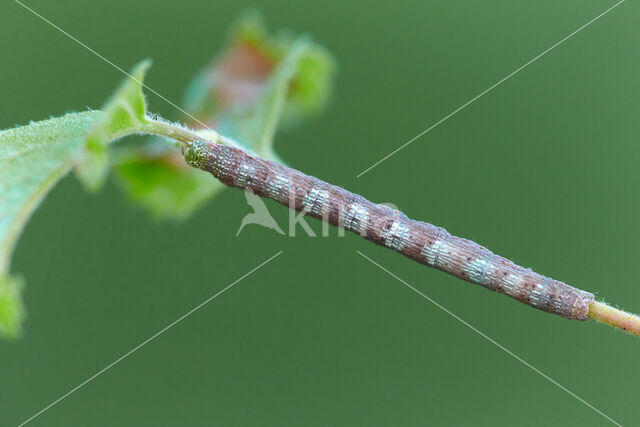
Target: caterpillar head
[[196, 153]]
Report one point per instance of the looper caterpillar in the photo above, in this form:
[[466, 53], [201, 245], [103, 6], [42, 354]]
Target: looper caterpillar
[[380, 224]]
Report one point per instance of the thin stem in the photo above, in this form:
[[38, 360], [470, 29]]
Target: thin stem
[[614, 317], [177, 133], [184, 135]]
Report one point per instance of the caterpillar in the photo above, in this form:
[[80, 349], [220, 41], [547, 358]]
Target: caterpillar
[[388, 227]]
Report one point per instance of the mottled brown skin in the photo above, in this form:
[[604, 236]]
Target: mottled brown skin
[[420, 241]]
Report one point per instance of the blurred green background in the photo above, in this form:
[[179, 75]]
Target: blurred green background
[[543, 170]]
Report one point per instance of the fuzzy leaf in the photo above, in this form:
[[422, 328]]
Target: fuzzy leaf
[[32, 159], [124, 113]]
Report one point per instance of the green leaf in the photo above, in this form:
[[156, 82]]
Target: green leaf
[[11, 307], [255, 125], [32, 159], [165, 185], [259, 83], [124, 114], [310, 87]]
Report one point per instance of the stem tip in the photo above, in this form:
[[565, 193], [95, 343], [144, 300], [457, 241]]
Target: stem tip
[[620, 319]]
